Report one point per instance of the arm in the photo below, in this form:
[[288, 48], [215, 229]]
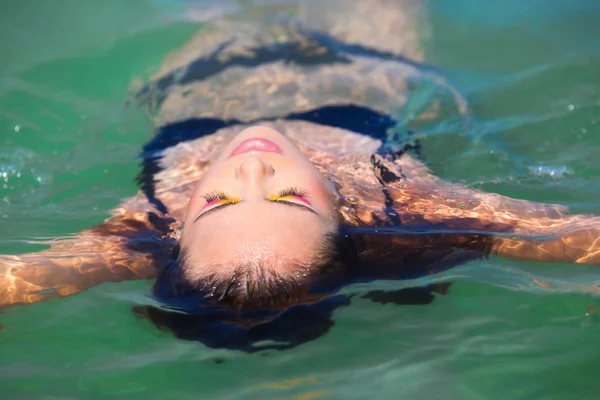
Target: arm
[[126, 246], [571, 238], [515, 228]]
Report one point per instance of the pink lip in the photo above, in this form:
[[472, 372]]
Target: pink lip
[[255, 144]]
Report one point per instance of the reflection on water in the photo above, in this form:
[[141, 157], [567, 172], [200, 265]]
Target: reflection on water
[[67, 155]]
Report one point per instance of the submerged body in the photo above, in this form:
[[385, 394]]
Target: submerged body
[[330, 94], [424, 222]]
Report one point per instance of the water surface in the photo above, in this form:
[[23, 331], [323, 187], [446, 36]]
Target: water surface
[[68, 148]]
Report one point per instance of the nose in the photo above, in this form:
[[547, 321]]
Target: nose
[[254, 170]]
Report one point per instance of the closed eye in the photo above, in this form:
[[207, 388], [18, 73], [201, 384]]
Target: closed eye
[[282, 202], [294, 204], [291, 193], [217, 208]]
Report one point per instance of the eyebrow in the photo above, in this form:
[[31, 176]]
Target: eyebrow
[[281, 202]]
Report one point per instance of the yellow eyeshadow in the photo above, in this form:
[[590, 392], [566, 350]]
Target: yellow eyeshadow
[[225, 201], [275, 198]]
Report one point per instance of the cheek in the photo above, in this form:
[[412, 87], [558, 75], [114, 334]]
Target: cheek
[[196, 201], [321, 191], [211, 178]]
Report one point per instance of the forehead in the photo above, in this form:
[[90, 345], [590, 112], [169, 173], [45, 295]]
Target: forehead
[[262, 233]]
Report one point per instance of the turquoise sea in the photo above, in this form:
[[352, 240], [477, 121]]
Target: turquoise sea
[[68, 145]]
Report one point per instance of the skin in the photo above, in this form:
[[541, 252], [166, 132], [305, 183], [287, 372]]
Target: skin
[[262, 228], [219, 77], [462, 223]]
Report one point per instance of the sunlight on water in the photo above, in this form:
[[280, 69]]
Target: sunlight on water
[[524, 80]]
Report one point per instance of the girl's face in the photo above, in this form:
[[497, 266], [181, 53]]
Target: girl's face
[[262, 202]]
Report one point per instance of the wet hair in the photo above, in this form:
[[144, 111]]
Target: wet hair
[[251, 287], [264, 310], [253, 311]]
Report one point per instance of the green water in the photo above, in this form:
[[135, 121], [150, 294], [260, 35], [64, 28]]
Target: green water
[[531, 71]]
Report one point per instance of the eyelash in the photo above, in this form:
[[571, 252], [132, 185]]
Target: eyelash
[[212, 196], [292, 191]]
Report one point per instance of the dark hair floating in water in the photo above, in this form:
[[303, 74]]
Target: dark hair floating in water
[[256, 330], [239, 330], [188, 313]]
